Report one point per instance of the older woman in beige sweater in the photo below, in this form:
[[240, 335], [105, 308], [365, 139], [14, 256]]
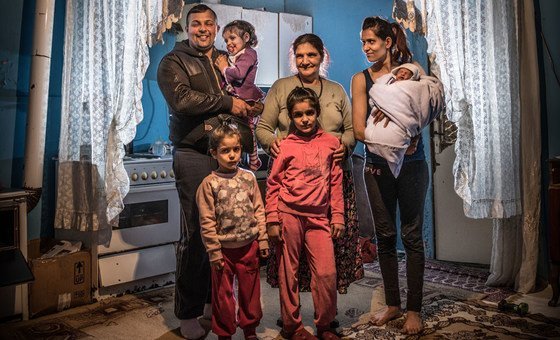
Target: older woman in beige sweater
[[311, 60]]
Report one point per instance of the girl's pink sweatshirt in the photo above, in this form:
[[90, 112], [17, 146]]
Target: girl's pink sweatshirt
[[304, 179]]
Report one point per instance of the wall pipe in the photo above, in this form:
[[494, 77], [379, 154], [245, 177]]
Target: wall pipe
[[38, 101]]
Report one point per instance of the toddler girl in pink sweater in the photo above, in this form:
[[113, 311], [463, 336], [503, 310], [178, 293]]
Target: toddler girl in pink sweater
[[232, 223]]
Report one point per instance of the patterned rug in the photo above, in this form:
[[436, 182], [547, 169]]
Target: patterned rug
[[471, 278], [140, 316], [449, 317], [453, 308]]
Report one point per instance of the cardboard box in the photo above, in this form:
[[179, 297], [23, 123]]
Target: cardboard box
[[60, 282]]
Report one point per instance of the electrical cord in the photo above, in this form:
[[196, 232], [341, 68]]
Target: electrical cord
[[153, 113], [550, 58]]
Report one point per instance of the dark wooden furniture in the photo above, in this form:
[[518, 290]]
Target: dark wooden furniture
[[15, 269], [554, 229], [13, 254]]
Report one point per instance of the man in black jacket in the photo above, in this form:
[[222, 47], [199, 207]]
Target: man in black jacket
[[191, 86]]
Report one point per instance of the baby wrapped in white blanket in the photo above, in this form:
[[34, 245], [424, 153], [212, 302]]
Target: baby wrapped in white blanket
[[410, 104]]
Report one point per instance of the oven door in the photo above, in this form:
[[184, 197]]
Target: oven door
[[151, 216]]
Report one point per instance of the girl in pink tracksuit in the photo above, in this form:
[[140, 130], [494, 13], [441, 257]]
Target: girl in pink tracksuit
[[304, 212]]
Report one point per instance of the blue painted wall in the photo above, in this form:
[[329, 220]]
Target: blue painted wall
[[17, 30], [156, 117], [10, 26], [342, 42], [335, 21]]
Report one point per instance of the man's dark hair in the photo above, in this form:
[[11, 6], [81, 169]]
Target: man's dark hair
[[201, 8]]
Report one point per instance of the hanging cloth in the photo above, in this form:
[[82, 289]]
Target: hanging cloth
[[105, 59]]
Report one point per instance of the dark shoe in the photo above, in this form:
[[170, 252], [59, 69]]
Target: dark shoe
[[283, 335], [334, 324], [250, 334], [329, 335], [303, 334]]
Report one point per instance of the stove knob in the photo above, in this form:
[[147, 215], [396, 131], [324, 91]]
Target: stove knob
[[163, 174], [154, 175], [171, 174], [134, 177], [144, 176]]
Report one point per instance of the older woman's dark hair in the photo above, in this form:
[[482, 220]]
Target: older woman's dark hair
[[311, 39], [317, 43], [400, 53], [301, 94]]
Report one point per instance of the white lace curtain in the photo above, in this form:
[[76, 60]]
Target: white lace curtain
[[474, 44], [105, 59], [474, 49]]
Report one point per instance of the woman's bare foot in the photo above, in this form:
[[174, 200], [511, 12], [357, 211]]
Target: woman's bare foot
[[413, 323], [385, 315]]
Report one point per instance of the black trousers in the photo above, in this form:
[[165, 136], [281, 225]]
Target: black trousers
[[365, 218], [409, 192], [192, 276]]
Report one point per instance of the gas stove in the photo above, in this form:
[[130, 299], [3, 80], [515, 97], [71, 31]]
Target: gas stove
[[142, 248], [146, 169]]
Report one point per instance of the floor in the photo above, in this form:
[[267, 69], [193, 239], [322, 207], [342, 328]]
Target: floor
[[149, 315]]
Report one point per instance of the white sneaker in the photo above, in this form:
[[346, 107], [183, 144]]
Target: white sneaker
[[191, 329]]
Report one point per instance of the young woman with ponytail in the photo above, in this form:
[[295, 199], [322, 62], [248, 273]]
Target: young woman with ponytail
[[385, 46]]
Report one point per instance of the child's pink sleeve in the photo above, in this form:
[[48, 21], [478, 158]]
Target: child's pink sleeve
[[273, 185], [258, 205], [337, 200]]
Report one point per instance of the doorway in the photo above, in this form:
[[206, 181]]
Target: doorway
[[457, 237]]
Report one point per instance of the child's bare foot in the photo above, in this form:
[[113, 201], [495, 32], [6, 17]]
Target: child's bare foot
[[387, 314], [412, 324]]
